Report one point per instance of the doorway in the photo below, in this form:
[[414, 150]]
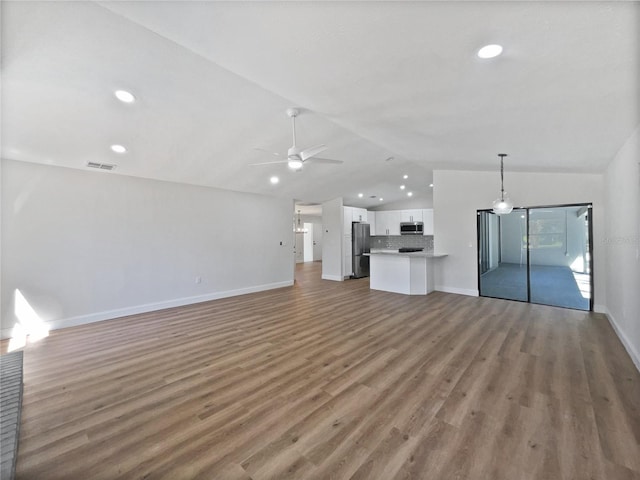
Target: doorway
[[308, 242], [538, 255]]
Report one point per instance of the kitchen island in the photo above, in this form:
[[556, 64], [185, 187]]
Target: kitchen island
[[410, 273]]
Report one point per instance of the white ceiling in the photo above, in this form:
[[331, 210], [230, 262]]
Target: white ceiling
[[374, 79]]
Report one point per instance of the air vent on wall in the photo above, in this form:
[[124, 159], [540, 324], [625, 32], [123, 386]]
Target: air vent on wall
[[101, 166]]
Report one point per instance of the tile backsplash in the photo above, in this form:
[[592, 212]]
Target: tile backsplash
[[394, 242]]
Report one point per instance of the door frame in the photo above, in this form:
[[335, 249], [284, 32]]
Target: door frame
[[589, 207]]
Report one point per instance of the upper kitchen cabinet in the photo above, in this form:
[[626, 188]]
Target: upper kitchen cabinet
[[371, 219], [411, 215], [388, 222], [427, 218], [359, 214]]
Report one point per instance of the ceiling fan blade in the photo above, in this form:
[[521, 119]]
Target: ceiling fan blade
[[267, 151], [311, 151], [323, 160], [268, 163]]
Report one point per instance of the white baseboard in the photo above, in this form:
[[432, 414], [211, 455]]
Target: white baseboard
[[459, 291], [150, 307], [633, 353], [5, 333], [335, 278], [600, 308]]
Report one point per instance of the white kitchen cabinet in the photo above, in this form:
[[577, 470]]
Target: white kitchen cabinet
[[427, 218], [381, 223], [388, 222], [414, 215], [371, 219], [411, 274], [359, 214]]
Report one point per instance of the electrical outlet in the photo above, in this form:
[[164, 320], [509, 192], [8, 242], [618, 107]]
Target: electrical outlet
[[198, 279]]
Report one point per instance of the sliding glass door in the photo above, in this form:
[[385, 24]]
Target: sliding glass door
[[503, 263], [559, 259], [538, 255]]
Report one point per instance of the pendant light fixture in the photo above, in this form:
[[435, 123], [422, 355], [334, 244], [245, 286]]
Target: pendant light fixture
[[502, 205], [299, 228]]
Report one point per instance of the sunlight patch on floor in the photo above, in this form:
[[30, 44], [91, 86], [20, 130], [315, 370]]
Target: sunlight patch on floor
[[29, 327], [583, 284]]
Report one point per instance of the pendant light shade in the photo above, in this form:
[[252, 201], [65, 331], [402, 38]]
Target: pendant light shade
[[299, 228], [503, 204]]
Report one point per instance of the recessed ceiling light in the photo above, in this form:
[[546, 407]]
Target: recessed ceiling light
[[490, 51], [402, 187], [360, 195], [410, 194], [274, 179], [405, 176], [431, 185], [118, 149], [124, 96], [381, 199]]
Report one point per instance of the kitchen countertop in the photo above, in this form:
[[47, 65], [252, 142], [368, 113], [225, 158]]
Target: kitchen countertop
[[384, 251]]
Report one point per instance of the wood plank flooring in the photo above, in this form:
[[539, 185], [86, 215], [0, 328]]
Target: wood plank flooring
[[329, 380]]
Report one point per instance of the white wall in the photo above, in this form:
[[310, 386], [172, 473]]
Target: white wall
[[84, 246], [621, 241], [332, 240], [408, 204], [458, 194]]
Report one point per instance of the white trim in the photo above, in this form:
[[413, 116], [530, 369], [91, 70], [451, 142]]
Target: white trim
[[335, 278], [150, 307], [633, 353], [459, 291], [597, 308], [5, 333]]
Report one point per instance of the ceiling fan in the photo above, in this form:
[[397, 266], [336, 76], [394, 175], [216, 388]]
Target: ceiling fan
[[296, 157]]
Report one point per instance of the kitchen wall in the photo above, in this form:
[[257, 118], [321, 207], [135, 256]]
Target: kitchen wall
[[458, 194], [621, 243], [81, 246], [423, 201]]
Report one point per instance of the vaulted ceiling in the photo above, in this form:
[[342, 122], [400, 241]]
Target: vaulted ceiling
[[374, 81]]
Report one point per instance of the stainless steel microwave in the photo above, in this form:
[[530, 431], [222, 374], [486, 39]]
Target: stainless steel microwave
[[411, 228]]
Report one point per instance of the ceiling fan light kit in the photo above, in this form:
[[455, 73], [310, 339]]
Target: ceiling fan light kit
[[294, 163], [502, 205]]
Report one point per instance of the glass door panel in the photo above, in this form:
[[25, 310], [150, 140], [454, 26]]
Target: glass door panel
[[503, 255], [559, 256]]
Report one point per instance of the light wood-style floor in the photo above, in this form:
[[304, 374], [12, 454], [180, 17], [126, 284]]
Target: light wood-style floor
[[328, 380]]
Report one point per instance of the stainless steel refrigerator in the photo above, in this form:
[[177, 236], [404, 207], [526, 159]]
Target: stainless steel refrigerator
[[359, 246]]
